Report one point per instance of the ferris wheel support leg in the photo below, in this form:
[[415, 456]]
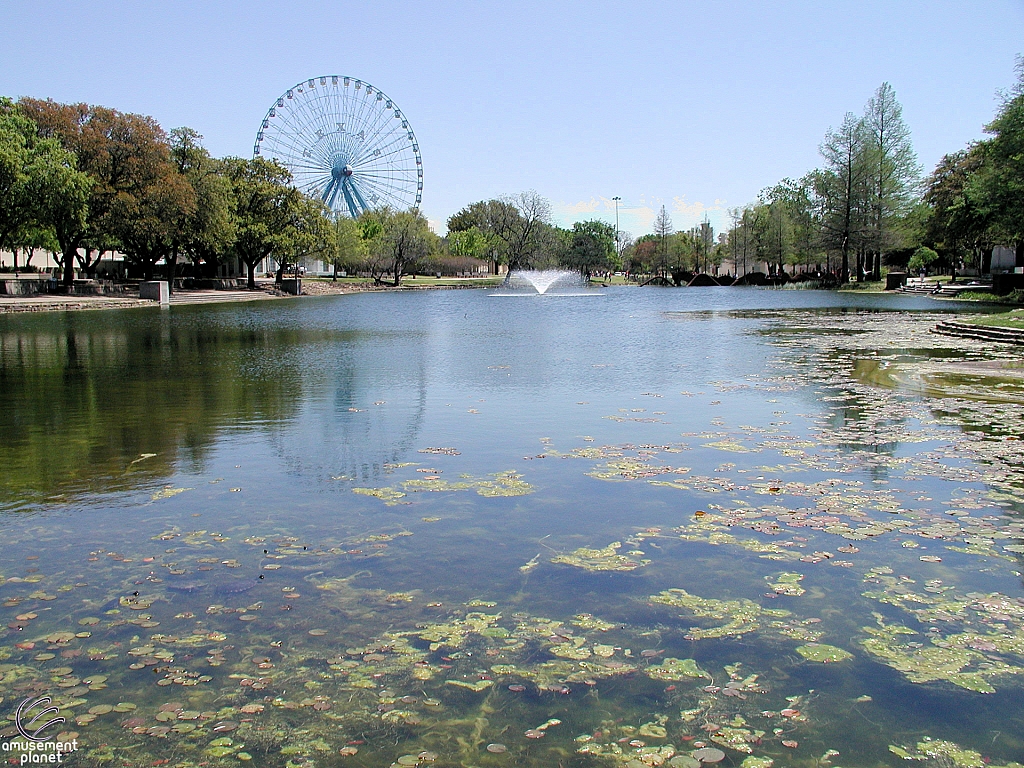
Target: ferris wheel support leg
[[352, 207], [359, 197]]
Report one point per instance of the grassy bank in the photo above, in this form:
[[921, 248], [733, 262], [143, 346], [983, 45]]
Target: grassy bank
[[1013, 319]]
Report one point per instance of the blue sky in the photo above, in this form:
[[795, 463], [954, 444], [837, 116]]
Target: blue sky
[[695, 106]]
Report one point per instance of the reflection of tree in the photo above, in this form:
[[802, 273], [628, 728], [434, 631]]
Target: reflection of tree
[[86, 394]]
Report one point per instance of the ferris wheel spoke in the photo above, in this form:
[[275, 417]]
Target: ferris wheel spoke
[[396, 157], [380, 126], [383, 132], [390, 156], [379, 177], [390, 194], [356, 193], [379, 152]]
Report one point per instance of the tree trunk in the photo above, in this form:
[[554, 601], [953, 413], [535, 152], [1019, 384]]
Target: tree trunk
[[1019, 261], [335, 277], [69, 266], [172, 266], [251, 269], [14, 252]]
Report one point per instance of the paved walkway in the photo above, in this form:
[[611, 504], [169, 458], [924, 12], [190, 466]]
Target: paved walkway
[[61, 303]]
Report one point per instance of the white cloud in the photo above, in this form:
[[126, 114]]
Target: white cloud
[[637, 216]]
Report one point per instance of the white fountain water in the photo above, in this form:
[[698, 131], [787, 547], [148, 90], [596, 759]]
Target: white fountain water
[[543, 280]]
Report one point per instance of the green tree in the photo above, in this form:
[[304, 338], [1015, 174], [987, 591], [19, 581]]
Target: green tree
[[38, 183], [999, 188], [313, 236], [121, 153], [662, 230], [894, 171], [841, 190], [404, 242], [494, 219], [348, 248], [591, 248], [207, 232], [151, 217], [518, 228], [922, 259], [469, 243], [265, 207], [959, 224]]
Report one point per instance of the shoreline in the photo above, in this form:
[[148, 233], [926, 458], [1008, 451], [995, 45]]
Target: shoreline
[[182, 297]]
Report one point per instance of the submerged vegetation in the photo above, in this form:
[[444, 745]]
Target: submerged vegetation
[[757, 590]]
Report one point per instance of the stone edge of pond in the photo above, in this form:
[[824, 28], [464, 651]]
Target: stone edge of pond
[[983, 333]]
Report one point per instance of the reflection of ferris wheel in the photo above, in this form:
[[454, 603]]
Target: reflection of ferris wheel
[[346, 143]]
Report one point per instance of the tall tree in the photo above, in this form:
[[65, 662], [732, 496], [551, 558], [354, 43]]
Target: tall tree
[[591, 247], [959, 226], [1000, 187], [265, 207], [150, 217], [514, 224], [841, 189], [38, 182], [405, 241], [348, 247], [662, 230], [312, 236], [208, 230], [122, 153], [495, 220], [894, 170]]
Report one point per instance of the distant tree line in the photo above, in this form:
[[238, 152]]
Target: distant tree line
[[82, 181], [516, 231], [868, 206]]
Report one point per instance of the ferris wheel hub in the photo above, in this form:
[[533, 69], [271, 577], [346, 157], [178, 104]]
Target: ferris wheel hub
[[340, 170]]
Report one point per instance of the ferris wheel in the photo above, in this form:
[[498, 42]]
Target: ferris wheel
[[346, 143]]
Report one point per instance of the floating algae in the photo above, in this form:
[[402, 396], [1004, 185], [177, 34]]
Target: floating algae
[[676, 669], [826, 654], [167, 492], [389, 496], [742, 615], [606, 559], [981, 637], [941, 752], [509, 483], [957, 664], [786, 584]]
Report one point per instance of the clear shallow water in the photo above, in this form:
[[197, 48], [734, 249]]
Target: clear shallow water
[[344, 511]]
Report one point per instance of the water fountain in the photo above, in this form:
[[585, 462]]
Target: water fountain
[[541, 281]]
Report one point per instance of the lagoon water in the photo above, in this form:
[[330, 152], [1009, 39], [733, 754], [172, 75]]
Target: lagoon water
[[446, 527]]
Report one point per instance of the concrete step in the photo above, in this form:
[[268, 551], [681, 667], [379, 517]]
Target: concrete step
[[982, 333]]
